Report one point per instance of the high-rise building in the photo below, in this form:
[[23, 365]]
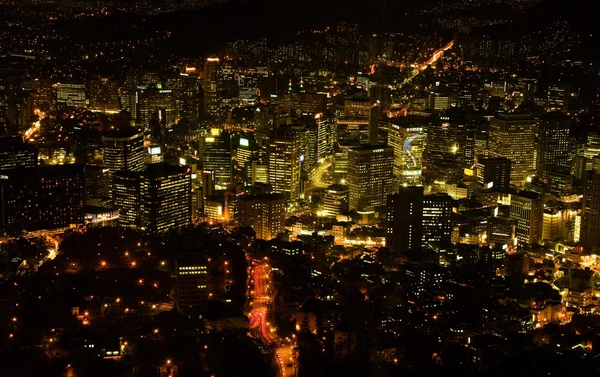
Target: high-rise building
[[357, 122], [527, 210], [123, 150], [326, 135], [590, 221], [68, 94], [437, 218], [369, 175], [215, 154], [553, 147], [405, 219], [97, 182], [125, 192], [245, 153], [284, 153], [212, 105], [14, 153], [156, 199], [104, 95], [303, 104], [449, 147], [42, 197], [192, 280], [512, 136], [407, 142], [165, 197], [335, 200], [264, 213], [190, 101], [493, 172], [158, 126], [151, 99]]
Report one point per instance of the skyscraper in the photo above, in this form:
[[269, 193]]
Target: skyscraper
[[284, 152], [527, 210], [590, 222], [493, 172], [405, 219], [369, 175], [335, 200], [326, 135], [212, 106], [97, 182], [42, 197], [165, 197], [125, 192], [553, 148], [437, 218], [265, 213], [156, 199], [104, 95], [215, 154], [123, 150], [512, 136], [407, 142], [192, 280], [14, 153], [357, 122], [449, 148]]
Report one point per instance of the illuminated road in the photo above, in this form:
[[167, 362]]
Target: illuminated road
[[434, 58], [316, 175], [260, 292], [35, 127]]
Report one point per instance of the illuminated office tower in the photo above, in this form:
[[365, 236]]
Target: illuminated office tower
[[303, 104], [369, 175], [158, 126], [335, 200], [208, 182], [512, 136], [41, 197], [444, 153], [590, 220], [212, 105], [260, 172], [284, 153], [245, 153], [357, 123], [190, 101], [68, 94], [192, 281], [123, 150], [215, 154], [527, 210], [14, 153], [97, 182], [165, 197], [437, 218], [404, 229], [326, 135], [557, 98], [104, 95], [125, 192], [493, 172], [265, 213], [152, 99], [407, 143], [553, 146], [227, 84], [441, 99]]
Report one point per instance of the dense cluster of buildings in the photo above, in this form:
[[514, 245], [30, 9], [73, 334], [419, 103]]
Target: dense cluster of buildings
[[390, 192]]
